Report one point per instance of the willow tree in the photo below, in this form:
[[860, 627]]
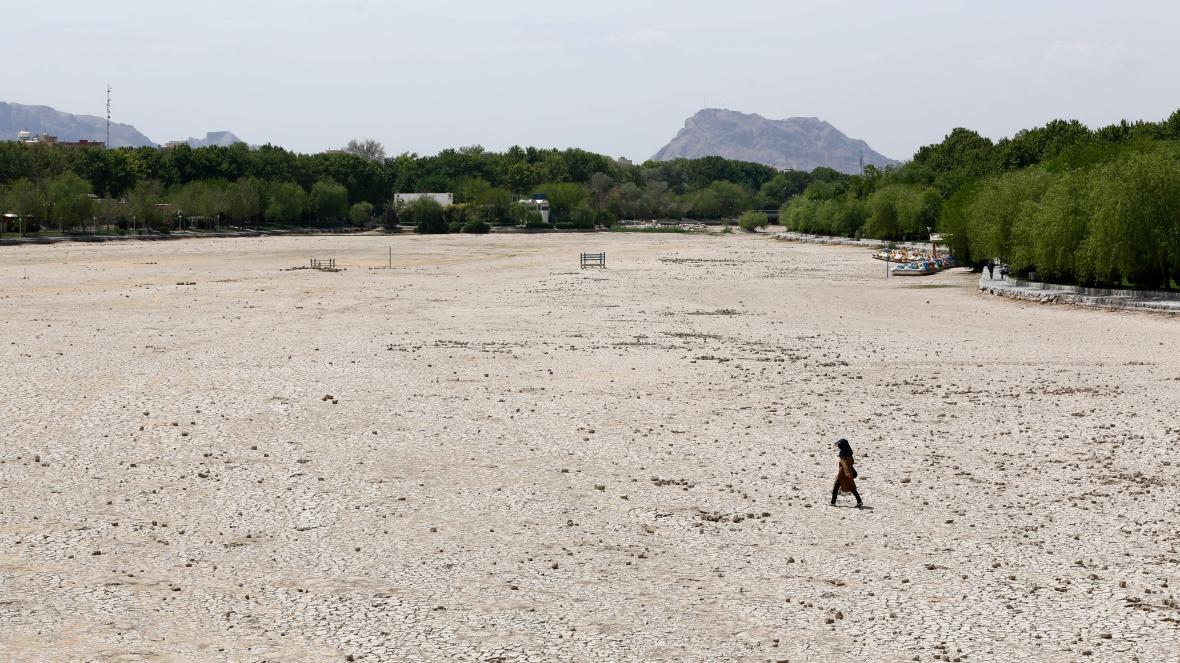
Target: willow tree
[[1052, 239], [1136, 222]]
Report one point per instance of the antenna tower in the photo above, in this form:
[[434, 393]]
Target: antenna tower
[[108, 143]]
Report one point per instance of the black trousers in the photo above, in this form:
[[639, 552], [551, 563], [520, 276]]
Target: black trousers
[[836, 493]]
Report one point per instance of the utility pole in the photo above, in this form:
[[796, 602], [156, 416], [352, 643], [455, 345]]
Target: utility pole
[[108, 143]]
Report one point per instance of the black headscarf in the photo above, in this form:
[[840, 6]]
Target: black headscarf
[[845, 449]]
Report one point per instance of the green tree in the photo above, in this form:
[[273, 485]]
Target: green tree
[[245, 200], [1000, 203], [25, 199], [494, 206], [471, 189], [563, 197], [732, 197], [329, 201], [69, 200], [1136, 221], [1052, 238], [286, 203], [361, 214], [799, 214], [706, 204], [882, 222], [144, 201], [783, 186], [600, 185], [917, 210], [583, 217]]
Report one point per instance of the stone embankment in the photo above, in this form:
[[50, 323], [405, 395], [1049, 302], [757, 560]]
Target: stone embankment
[[1150, 300]]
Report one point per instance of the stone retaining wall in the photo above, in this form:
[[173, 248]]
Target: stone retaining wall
[[1149, 300]]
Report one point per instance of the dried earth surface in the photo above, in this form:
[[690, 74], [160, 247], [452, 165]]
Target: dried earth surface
[[485, 453]]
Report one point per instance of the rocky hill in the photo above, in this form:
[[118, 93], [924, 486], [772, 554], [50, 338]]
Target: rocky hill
[[15, 118], [798, 143], [218, 138]]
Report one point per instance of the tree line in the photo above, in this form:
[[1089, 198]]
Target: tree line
[[63, 187], [1074, 205]]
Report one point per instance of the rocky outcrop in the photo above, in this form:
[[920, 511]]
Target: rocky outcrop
[[797, 143]]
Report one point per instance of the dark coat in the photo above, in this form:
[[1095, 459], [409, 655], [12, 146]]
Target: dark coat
[[844, 475]]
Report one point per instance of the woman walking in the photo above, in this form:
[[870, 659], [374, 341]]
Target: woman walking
[[845, 474]]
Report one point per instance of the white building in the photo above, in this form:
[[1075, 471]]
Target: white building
[[538, 203], [443, 199]]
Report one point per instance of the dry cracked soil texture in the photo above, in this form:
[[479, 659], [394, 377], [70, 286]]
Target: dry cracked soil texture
[[484, 453]]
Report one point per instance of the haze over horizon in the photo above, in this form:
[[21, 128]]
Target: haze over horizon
[[616, 78]]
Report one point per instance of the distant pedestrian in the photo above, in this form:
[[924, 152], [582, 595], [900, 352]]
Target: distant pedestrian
[[845, 474], [991, 268], [1003, 272]]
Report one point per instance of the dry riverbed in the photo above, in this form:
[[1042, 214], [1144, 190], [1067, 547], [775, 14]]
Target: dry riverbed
[[485, 453]]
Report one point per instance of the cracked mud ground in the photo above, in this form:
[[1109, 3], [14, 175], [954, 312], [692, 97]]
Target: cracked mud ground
[[485, 453]]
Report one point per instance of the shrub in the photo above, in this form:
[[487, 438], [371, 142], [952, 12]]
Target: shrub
[[751, 221], [476, 227], [360, 214], [532, 219], [456, 214], [389, 219], [427, 216], [583, 217]]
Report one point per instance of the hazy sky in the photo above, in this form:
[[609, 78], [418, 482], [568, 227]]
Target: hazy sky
[[609, 76]]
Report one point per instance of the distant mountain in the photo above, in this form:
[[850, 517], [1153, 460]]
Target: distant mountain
[[37, 120], [15, 118], [218, 138], [798, 143]]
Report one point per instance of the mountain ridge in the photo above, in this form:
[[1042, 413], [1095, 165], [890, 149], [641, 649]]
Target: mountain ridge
[[15, 118], [796, 143], [39, 119]]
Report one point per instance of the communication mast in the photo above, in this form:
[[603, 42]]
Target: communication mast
[[108, 143]]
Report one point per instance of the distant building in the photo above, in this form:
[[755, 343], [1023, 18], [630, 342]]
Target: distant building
[[539, 203], [624, 161], [82, 143], [443, 199], [39, 139], [28, 138], [172, 144]]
